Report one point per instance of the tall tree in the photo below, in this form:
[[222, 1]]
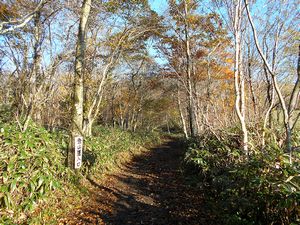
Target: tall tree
[[191, 105], [77, 114], [186, 46], [287, 108], [138, 24], [239, 72]]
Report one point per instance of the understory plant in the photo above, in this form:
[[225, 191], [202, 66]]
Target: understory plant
[[34, 181], [103, 149], [31, 168], [263, 188]]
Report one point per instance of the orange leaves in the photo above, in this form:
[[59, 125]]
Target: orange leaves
[[229, 61], [200, 53], [223, 73], [228, 73], [193, 20]]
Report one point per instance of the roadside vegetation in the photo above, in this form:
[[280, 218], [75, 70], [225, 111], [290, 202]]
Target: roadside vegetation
[[263, 188], [36, 187]]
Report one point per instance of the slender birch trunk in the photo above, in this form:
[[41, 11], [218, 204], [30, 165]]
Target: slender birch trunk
[[251, 88], [271, 92], [78, 98], [191, 106], [289, 108], [182, 116], [239, 79], [36, 71]]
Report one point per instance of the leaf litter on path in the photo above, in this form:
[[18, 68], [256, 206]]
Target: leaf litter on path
[[150, 190]]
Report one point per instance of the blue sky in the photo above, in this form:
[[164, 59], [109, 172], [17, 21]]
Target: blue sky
[[159, 6], [259, 8]]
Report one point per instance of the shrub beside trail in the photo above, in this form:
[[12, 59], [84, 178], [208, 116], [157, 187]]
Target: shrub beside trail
[[263, 189], [35, 184]]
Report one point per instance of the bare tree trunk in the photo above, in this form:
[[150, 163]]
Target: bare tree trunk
[[189, 75], [78, 98], [253, 97], [198, 114], [243, 108], [182, 116], [287, 110], [270, 92], [295, 93], [35, 73], [239, 79], [267, 117]]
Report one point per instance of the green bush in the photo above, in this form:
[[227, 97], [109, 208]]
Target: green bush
[[6, 113], [264, 189], [31, 167]]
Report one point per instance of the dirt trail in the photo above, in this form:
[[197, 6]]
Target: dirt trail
[[148, 190]]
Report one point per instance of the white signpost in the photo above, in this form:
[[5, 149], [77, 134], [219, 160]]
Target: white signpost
[[78, 151]]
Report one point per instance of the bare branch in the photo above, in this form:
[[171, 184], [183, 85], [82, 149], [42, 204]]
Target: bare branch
[[7, 27]]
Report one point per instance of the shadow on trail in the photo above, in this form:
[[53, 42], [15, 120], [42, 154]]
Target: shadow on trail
[[148, 190]]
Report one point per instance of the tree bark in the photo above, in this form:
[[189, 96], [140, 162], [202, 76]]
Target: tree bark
[[191, 109], [239, 79], [10, 26], [182, 116], [287, 109], [34, 82], [78, 98]]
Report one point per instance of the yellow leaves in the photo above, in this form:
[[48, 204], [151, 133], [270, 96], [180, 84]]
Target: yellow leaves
[[228, 73], [192, 19], [111, 6], [229, 61], [115, 5], [7, 11], [224, 74]]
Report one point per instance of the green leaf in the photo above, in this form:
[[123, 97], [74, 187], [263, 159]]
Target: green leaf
[[13, 185], [40, 182], [32, 186], [10, 166]]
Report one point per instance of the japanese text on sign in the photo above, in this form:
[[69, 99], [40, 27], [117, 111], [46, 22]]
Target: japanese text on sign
[[78, 151]]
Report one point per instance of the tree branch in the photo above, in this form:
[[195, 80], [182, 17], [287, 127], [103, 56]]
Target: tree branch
[[6, 27]]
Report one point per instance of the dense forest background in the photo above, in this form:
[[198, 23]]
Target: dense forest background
[[223, 73]]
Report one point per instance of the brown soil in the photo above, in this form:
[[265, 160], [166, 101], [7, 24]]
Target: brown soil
[[148, 190]]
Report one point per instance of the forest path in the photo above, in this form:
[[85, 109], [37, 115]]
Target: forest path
[[148, 190]]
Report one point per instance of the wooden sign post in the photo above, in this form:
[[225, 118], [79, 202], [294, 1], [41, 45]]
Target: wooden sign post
[[78, 151]]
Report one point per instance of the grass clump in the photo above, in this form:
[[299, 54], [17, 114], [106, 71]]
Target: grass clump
[[109, 146]]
